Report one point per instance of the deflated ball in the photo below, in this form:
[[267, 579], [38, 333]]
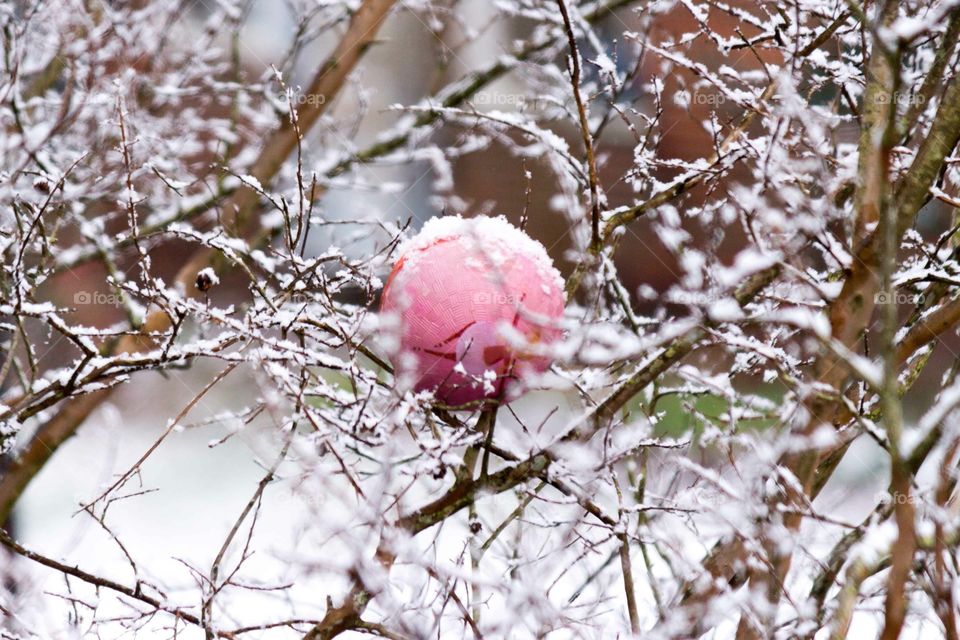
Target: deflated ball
[[476, 298]]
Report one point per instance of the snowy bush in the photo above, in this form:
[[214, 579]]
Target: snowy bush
[[205, 188]]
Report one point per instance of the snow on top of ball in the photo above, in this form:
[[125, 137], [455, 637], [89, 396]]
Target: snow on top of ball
[[494, 237]]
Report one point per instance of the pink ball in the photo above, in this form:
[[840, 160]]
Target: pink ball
[[454, 286]]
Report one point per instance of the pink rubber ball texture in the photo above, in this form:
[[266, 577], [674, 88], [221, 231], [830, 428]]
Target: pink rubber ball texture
[[453, 285]]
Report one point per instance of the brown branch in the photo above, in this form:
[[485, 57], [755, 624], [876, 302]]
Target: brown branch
[[855, 575], [902, 478], [929, 328], [852, 310], [850, 314], [913, 190], [465, 490], [879, 104], [253, 502], [943, 588], [625, 216], [452, 95], [596, 242], [363, 27], [933, 77], [672, 353], [626, 568], [99, 582], [462, 494]]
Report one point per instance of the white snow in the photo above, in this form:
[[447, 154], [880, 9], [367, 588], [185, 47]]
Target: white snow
[[495, 236], [210, 275]]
